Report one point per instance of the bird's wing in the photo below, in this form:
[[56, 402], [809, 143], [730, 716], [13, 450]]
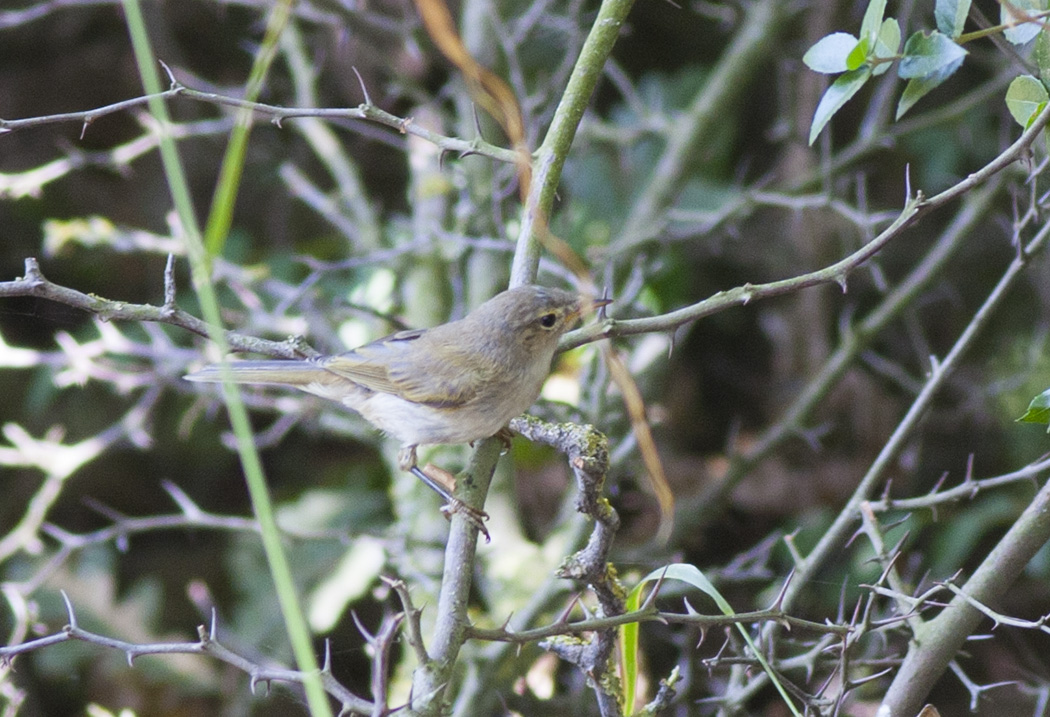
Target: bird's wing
[[419, 371]]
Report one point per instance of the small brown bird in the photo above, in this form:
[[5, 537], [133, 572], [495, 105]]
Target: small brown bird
[[454, 383]]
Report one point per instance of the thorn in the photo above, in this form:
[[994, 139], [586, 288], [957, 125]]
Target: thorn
[[185, 504], [894, 523], [885, 492], [101, 508], [938, 484], [58, 534], [564, 617], [856, 534], [69, 611], [651, 597], [778, 604], [856, 613], [213, 629], [477, 120], [131, 658], [607, 298], [907, 183], [171, 76], [364, 90], [369, 637], [326, 668]]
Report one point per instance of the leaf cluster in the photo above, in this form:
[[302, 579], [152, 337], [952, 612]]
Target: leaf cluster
[[928, 58]]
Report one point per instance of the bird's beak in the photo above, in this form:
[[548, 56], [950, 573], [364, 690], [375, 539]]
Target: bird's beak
[[588, 304]]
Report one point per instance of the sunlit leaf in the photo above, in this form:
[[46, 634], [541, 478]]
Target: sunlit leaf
[[888, 44], [844, 87], [869, 27], [859, 55], [926, 55], [951, 16], [1038, 410], [1041, 55], [691, 575], [918, 88], [1025, 98], [1014, 11], [829, 54]]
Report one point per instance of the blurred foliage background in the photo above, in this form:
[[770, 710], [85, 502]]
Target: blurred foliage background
[[345, 230]]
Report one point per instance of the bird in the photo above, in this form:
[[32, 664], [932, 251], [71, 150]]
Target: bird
[[457, 382]]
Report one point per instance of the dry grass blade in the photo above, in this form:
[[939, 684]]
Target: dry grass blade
[[632, 399], [486, 88]]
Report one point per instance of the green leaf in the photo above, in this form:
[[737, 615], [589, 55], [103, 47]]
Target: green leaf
[[629, 633], [1020, 34], [829, 53], [925, 55], [844, 87], [1041, 55], [918, 88], [887, 45], [1025, 99], [1038, 410], [869, 27], [951, 16], [859, 55]]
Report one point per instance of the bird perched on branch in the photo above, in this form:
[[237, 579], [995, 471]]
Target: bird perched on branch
[[455, 383]]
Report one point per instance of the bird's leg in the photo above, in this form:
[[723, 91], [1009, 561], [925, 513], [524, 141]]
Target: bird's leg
[[506, 436], [443, 483]]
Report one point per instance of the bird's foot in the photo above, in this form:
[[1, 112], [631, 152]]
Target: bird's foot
[[406, 460], [506, 437], [444, 484]]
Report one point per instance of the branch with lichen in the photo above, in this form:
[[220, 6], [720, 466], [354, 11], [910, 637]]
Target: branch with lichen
[[587, 452]]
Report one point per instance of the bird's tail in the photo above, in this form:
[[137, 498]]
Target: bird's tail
[[278, 373]]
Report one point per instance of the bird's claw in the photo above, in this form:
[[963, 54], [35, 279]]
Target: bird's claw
[[506, 437], [472, 515], [445, 484]]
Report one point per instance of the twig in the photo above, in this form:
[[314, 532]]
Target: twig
[[206, 644]]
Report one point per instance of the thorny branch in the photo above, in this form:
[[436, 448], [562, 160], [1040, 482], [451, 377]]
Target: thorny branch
[[587, 452], [365, 111], [33, 283], [207, 644], [590, 565]]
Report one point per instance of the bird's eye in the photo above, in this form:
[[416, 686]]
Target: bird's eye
[[548, 321]]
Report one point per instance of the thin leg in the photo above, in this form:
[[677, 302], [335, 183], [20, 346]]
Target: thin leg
[[406, 459], [434, 485]]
